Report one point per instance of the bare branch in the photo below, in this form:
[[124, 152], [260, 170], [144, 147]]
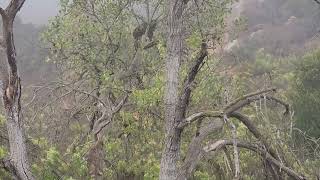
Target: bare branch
[[107, 116], [252, 128], [194, 70], [248, 96], [117, 108], [218, 145], [235, 147], [197, 116], [286, 105], [88, 94], [100, 124], [234, 106]]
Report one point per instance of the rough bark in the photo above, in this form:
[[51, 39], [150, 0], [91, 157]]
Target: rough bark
[[195, 151], [18, 162], [170, 155]]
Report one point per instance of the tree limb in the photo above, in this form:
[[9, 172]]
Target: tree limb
[[218, 145], [189, 80], [286, 105], [247, 96], [256, 133], [2, 12], [13, 8], [196, 116], [235, 148], [118, 107], [232, 107]]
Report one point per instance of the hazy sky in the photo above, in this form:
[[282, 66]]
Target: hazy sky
[[36, 11]]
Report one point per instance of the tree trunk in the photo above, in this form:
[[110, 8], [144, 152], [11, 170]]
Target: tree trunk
[[18, 152], [95, 160], [18, 163], [170, 156]]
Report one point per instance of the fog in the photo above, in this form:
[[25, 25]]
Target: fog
[[36, 11]]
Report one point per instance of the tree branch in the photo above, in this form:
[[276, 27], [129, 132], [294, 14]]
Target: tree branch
[[245, 97], [232, 107], [196, 116], [235, 147], [195, 149], [14, 7], [256, 133], [194, 70], [117, 108], [286, 105], [2, 12], [218, 145]]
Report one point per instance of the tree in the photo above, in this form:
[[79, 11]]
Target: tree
[[177, 102], [18, 163], [106, 55]]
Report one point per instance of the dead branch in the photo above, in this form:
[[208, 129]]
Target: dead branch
[[256, 133], [233, 105], [235, 147], [218, 145], [197, 116], [278, 101]]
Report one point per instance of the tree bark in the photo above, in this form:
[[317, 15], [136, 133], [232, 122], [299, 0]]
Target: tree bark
[[18, 166], [170, 156]]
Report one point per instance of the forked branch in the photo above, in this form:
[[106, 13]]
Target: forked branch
[[233, 106]]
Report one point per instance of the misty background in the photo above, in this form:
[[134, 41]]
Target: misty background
[[266, 43], [36, 11]]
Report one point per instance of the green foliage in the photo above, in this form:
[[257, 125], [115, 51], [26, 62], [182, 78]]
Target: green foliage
[[305, 94], [54, 165], [100, 50]]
